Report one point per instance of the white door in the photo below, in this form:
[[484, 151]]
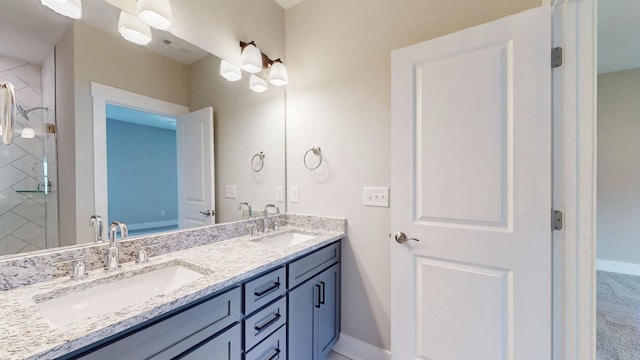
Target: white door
[[196, 187], [471, 175]]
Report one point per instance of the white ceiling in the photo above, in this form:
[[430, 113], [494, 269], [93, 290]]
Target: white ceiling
[[618, 35], [28, 22]]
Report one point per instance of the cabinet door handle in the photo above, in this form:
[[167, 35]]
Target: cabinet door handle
[[267, 290], [317, 288], [275, 355], [322, 296], [267, 323]]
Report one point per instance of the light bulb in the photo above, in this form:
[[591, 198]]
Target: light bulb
[[134, 30], [258, 84], [230, 71], [251, 59], [69, 8], [278, 75], [156, 13]]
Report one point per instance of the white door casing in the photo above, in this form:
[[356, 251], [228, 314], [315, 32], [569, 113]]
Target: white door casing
[[196, 192], [471, 173], [101, 96]]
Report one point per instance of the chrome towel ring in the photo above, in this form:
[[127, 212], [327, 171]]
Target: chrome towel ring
[[318, 153], [257, 162]]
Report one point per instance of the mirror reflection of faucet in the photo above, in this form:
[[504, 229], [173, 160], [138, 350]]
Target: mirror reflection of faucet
[[265, 223], [248, 208], [96, 222], [113, 253]]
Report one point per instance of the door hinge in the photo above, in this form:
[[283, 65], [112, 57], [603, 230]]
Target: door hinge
[[556, 57], [557, 220]]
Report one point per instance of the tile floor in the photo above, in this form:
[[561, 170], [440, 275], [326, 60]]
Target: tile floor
[[618, 316]]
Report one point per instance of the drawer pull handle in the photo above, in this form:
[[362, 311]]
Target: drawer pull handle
[[269, 289], [267, 323], [318, 296], [275, 355], [322, 296]]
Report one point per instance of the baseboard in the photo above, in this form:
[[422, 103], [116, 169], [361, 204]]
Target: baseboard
[[152, 225], [618, 267], [359, 350]]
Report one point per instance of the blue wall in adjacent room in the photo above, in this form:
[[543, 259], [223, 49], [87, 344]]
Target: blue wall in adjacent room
[[142, 171]]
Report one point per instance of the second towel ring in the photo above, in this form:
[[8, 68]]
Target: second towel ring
[[317, 152], [257, 166]]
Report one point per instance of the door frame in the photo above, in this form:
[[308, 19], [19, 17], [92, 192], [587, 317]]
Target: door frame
[[575, 156], [103, 95]]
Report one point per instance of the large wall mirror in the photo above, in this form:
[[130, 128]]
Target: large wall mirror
[[110, 128]]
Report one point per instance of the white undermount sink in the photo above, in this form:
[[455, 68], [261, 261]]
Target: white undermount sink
[[109, 297], [285, 240]]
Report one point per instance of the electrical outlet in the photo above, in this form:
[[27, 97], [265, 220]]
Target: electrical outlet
[[293, 194], [280, 193], [230, 192], [375, 196]]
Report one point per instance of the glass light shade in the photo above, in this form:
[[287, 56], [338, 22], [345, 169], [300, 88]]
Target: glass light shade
[[258, 84], [278, 75], [251, 59], [156, 13], [134, 30], [230, 71], [69, 8], [28, 133]]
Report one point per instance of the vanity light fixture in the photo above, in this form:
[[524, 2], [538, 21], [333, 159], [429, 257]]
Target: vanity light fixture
[[230, 71], [156, 13], [134, 30], [278, 75], [251, 57], [27, 133], [69, 8], [258, 84]]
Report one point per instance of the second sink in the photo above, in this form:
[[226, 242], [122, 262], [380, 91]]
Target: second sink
[[286, 239]]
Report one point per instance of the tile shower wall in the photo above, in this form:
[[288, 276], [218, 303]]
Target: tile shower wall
[[23, 215]]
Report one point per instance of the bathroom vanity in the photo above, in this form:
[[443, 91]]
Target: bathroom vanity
[[254, 297]]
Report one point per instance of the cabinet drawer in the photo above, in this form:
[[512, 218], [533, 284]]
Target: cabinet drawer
[[226, 346], [264, 322], [310, 265], [176, 334], [263, 290], [273, 348]]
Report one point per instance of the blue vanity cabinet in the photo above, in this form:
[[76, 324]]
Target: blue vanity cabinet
[[225, 346], [314, 306]]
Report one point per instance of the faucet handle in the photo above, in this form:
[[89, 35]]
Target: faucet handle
[[79, 267], [142, 253]]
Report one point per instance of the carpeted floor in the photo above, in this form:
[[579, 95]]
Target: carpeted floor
[[618, 316]]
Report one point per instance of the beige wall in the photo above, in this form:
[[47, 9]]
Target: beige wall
[[245, 123], [338, 55], [619, 166], [110, 60]]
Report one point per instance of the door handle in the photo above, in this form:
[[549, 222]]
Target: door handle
[[317, 291], [401, 237], [208, 213], [322, 296]]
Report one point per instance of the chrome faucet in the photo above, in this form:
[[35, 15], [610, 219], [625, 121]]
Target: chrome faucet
[[266, 216], [78, 268], [113, 251], [96, 222], [248, 207]]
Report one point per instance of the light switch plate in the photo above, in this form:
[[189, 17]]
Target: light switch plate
[[375, 196], [230, 192], [293, 194], [280, 193]]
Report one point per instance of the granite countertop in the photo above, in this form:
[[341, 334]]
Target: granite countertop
[[25, 334]]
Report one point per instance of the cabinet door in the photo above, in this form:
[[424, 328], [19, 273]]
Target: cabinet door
[[303, 302], [226, 346], [328, 320]]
